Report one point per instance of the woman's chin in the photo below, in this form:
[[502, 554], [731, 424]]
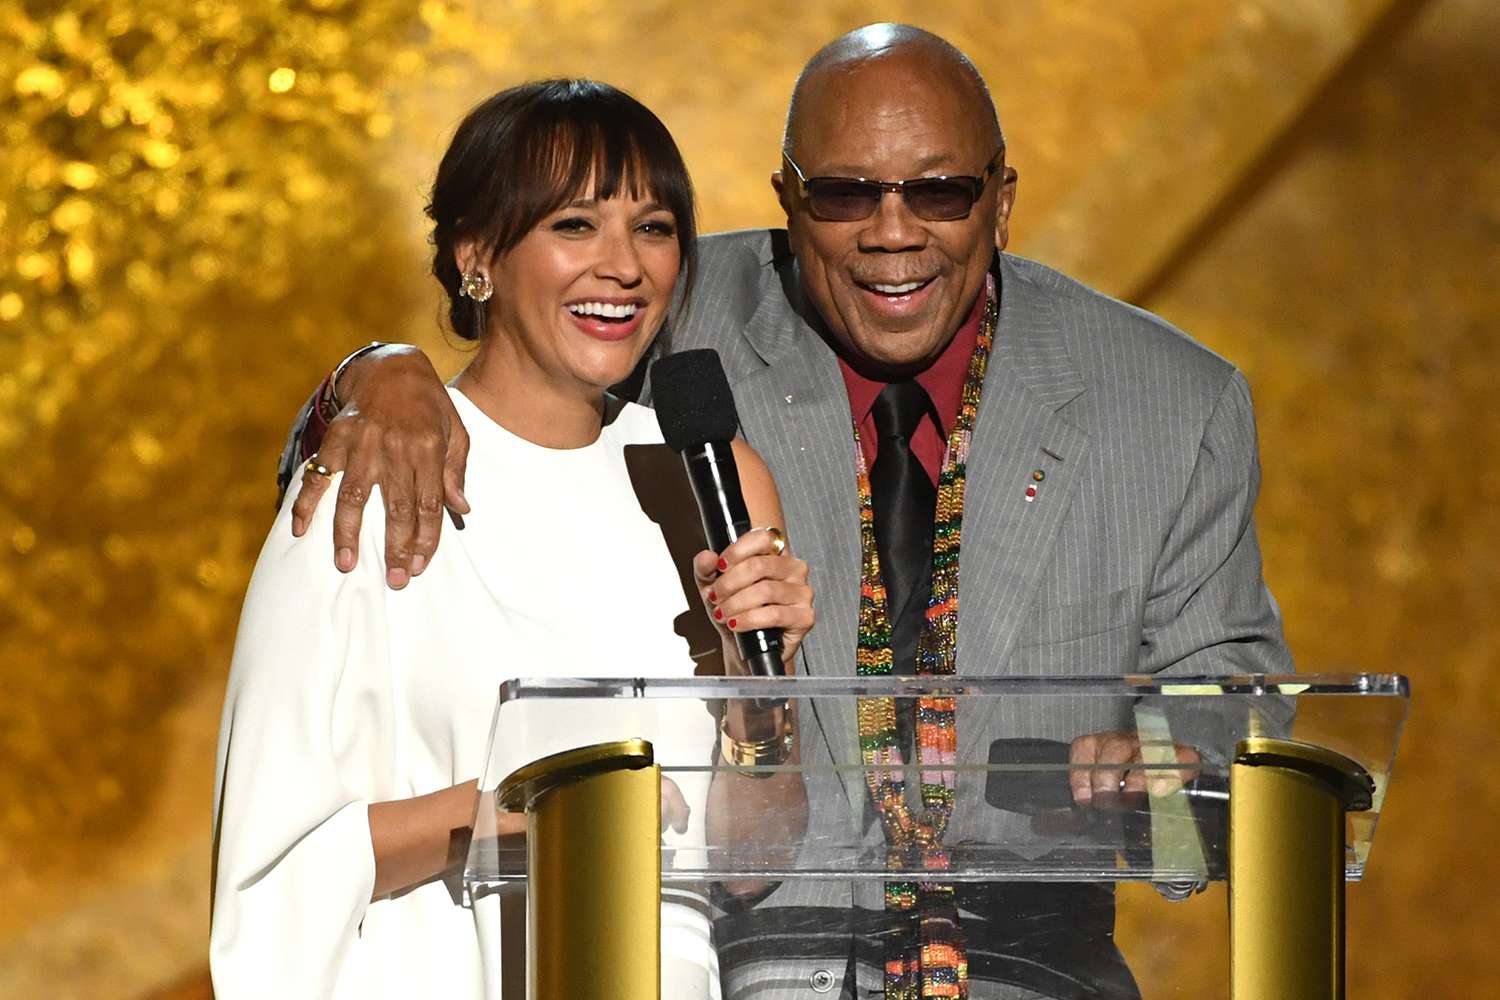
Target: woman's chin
[[615, 367]]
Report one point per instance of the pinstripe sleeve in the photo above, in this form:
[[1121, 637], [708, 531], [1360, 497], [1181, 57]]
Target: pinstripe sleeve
[[1209, 611], [301, 441]]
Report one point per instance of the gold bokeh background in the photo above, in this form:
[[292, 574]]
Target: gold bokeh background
[[208, 202]]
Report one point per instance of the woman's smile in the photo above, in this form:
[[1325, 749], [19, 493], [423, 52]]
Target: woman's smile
[[608, 318]]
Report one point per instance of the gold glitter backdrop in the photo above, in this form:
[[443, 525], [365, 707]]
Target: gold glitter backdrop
[[207, 202]]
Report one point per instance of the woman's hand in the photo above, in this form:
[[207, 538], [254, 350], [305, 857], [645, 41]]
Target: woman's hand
[[757, 583], [750, 586], [675, 811]]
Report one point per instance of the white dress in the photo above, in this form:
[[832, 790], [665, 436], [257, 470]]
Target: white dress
[[343, 692]]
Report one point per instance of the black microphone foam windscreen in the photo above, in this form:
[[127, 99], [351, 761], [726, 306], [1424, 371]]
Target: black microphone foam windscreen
[[692, 399]]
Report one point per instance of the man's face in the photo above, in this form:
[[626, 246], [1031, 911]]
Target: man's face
[[893, 289]]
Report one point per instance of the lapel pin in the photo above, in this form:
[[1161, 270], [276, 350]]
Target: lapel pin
[[1037, 475]]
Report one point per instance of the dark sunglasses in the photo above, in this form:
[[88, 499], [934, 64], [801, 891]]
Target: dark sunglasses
[[854, 199]]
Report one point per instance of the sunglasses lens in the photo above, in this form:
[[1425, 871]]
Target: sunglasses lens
[[842, 200], [936, 200], [939, 200]]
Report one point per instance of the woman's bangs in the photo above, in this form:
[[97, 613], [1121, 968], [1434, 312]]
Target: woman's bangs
[[582, 160]]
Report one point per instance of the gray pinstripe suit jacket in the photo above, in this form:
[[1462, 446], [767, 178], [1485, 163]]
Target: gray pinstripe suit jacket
[[1139, 554]]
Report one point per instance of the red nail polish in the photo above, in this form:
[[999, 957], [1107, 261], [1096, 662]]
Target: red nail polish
[[718, 614], [733, 622], [723, 565], [713, 598]]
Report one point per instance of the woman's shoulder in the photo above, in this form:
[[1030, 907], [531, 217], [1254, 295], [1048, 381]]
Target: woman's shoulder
[[634, 424], [309, 557]]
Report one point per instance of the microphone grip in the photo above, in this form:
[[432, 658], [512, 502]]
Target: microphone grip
[[716, 486]]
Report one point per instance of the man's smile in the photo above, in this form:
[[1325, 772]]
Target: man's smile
[[894, 287], [897, 299]]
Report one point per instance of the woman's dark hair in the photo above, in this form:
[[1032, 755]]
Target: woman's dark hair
[[528, 151]]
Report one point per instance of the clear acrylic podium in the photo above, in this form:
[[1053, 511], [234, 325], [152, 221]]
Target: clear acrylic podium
[[1271, 784]]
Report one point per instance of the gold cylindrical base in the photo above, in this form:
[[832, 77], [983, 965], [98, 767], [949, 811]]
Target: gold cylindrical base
[[1287, 803], [593, 895]]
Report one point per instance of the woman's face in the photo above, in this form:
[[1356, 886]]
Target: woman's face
[[582, 295]]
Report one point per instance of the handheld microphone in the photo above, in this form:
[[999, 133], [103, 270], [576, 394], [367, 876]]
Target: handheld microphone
[[698, 420]]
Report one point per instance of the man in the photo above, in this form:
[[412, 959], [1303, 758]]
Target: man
[[1106, 517]]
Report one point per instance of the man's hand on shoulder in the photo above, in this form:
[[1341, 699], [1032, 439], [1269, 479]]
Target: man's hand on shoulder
[[398, 430]]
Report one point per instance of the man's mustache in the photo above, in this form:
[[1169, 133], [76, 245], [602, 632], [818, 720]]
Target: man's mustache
[[898, 272]]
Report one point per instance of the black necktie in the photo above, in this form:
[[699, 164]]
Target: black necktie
[[903, 500]]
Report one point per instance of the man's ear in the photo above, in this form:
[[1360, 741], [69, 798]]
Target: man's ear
[[1003, 204], [783, 194]]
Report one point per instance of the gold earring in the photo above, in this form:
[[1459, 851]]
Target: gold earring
[[476, 285]]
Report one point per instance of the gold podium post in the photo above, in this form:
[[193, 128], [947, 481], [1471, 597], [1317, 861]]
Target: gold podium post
[[1287, 802], [593, 868]]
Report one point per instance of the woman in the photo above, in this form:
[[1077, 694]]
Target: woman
[[356, 717]]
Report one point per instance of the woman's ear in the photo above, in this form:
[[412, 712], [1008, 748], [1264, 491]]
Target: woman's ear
[[466, 254], [473, 260]]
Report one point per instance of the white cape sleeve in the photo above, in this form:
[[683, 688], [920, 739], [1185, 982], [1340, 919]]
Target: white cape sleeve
[[307, 741]]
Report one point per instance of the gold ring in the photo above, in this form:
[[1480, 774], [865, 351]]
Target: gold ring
[[778, 540], [317, 468]]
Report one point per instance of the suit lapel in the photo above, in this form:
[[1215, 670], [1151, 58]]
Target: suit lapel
[[1006, 539], [795, 412]]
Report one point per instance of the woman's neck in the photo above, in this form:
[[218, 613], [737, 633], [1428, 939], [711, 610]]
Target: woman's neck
[[514, 393]]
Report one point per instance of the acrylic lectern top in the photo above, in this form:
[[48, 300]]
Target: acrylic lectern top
[[1046, 779]]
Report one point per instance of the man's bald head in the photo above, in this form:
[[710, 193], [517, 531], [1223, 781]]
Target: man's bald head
[[893, 104], [866, 48]]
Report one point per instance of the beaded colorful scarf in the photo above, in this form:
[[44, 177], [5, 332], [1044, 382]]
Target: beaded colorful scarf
[[927, 960]]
